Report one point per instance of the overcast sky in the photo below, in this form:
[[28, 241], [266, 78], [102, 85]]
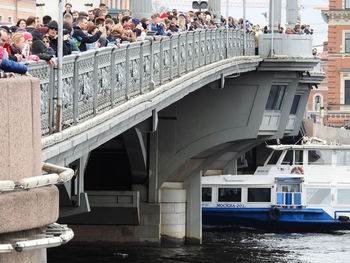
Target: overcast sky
[[255, 9]]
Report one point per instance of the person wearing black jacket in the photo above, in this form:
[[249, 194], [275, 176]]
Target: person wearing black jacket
[[83, 38], [53, 36], [39, 48]]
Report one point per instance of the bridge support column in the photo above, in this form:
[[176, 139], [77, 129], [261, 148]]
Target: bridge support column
[[173, 214], [194, 209], [141, 8]]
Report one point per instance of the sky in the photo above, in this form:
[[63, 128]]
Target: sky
[[256, 8]]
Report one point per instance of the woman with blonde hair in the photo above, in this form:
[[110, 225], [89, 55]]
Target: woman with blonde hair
[[17, 45], [182, 23]]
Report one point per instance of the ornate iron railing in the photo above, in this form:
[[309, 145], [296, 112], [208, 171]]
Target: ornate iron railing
[[97, 80]]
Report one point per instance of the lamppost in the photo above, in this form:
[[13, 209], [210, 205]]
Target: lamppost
[[227, 42], [200, 5], [59, 67], [244, 28]]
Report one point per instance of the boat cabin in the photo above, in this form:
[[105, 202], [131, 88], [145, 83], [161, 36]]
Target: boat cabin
[[293, 176]]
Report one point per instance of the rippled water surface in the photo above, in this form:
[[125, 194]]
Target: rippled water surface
[[222, 246]]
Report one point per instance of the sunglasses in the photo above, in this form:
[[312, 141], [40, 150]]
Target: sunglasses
[[54, 29]]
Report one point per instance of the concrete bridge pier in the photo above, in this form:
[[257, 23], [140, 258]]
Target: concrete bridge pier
[[28, 206]]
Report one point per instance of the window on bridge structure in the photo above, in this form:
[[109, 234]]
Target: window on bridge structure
[[206, 194], [295, 104], [347, 91], [274, 102]]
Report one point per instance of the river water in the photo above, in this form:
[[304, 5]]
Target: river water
[[222, 246]]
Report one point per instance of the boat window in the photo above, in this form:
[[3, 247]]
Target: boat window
[[206, 194], [229, 195], [259, 194], [343, 157], [318, 196], [320, 157], [344, 196], [298, 157], [288, 158], [274, 157]]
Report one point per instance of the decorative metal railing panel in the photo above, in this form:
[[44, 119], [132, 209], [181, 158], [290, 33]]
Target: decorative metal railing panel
[[97, 80]]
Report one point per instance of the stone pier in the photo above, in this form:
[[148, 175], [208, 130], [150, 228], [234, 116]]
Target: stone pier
[[24, 212]]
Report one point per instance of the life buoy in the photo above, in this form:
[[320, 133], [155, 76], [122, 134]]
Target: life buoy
[[297, 170], [274, 213]]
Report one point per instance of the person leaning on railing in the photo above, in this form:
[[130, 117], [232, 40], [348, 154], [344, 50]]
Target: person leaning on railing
[[10, 67], [40, 49], [83, 38]]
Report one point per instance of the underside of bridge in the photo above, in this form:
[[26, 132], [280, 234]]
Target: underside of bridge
[[144, 185]]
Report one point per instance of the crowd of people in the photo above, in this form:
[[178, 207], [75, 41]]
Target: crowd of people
[[33, 39]]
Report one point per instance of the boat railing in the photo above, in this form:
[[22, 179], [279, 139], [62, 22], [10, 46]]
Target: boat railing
[[288, 199]]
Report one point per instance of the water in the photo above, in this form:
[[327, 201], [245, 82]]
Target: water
[[222, 246]]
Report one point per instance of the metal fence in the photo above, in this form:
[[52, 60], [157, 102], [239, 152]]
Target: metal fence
[[97, 80]]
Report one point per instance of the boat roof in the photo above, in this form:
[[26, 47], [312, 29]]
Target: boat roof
[[309, 146], [238, 180]]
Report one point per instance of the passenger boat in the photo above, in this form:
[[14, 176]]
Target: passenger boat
[[302, 187]]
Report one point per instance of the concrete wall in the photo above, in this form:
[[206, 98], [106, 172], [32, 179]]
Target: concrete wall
[[330, 134], [286, 45], [20, 129]]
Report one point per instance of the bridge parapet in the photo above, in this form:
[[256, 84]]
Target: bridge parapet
[[96, 80], [285, 45]]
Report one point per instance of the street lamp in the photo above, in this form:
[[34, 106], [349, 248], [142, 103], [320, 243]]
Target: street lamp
[[244, 28], [227, 42], [200, 5]]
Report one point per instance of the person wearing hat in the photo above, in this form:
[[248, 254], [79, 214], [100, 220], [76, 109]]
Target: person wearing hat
[[53, 36], [40, 49]]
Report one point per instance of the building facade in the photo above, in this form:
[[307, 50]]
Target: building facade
[[338, 69], [12, 10], [44, 7]]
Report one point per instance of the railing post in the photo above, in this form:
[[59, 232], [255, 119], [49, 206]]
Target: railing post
[[141, 67], [161, 62], [51, 113], [95, 83], [127, 71], [112, 77], [171, 57], [193, 49], [186, 52], [151, 61], [179, 56], [76, 90], [205, 47]]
